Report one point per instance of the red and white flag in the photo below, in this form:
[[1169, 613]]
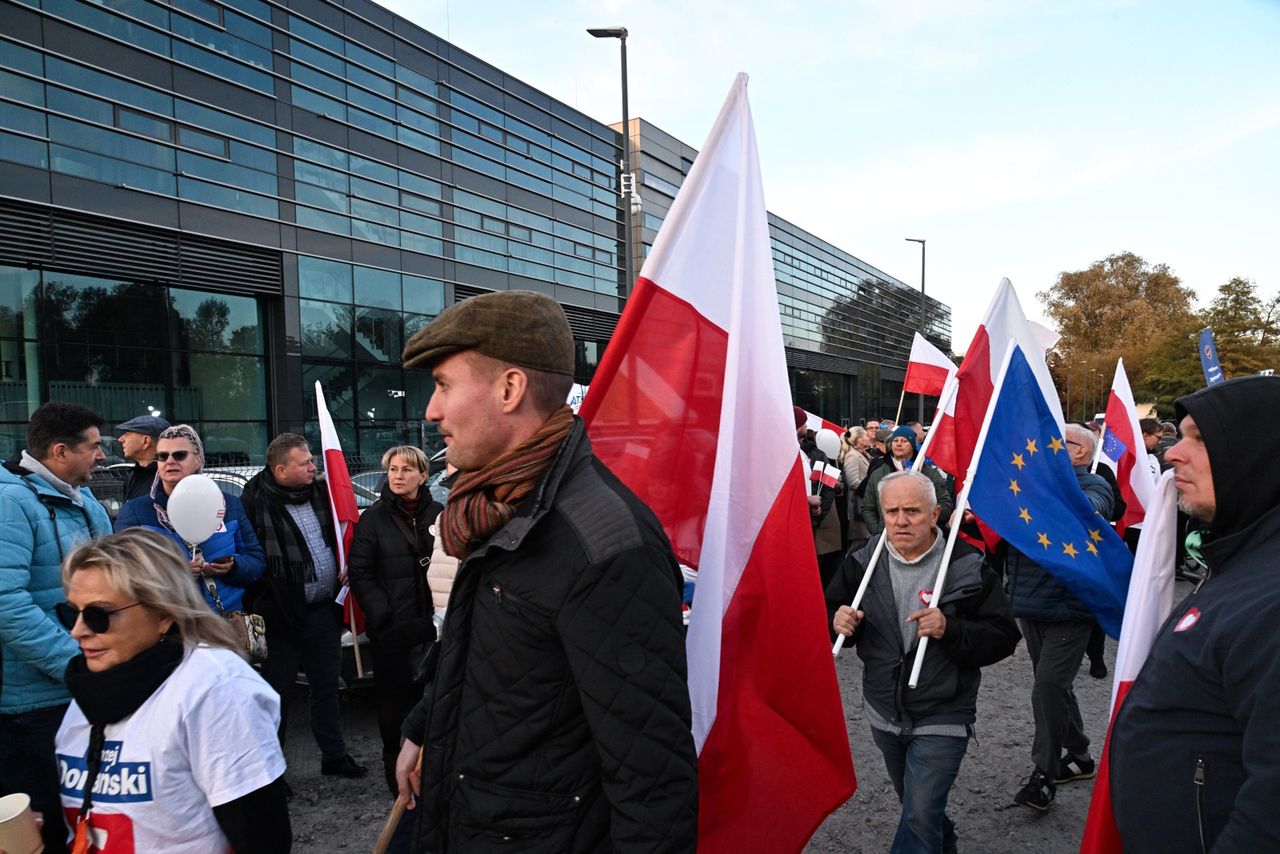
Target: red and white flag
[[957, 428], [1122, 444], [817, 422], [928, 368], [1148, 605], [690, 407], [342, 503]]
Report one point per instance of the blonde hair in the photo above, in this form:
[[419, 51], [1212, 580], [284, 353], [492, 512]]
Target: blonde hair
[[148, 567], [414, 455], [849, 442]]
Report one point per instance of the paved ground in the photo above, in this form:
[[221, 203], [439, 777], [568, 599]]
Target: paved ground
[[346, 815]]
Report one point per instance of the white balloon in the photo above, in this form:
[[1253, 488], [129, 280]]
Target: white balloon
[[196, 508], [829, 443]]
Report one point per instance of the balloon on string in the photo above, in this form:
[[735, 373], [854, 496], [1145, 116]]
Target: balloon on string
[[196, 508], [829, 443]]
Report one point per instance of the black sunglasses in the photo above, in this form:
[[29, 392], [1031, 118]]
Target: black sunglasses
[[177, 455], [96, 618]]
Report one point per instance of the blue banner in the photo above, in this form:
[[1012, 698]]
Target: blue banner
[[1026, 491], [1209, 358]]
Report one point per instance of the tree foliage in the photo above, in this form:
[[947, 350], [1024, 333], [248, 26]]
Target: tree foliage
[[1123, 306]]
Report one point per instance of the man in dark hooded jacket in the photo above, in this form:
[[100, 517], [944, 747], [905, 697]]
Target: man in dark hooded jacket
[[1195, 748]]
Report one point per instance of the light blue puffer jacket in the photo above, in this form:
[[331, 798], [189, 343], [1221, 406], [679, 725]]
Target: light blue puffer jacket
[[38, 527]]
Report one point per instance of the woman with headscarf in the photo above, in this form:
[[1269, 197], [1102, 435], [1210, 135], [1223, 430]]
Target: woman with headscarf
[[170, 740], [901, 452], [231, 560]]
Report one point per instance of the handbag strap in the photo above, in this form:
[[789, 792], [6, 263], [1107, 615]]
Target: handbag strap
[[212, 587]]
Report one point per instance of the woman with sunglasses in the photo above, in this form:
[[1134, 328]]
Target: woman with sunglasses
[[231, 560], [170, 740]]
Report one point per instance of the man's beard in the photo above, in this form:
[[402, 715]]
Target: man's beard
[[1197, 513]]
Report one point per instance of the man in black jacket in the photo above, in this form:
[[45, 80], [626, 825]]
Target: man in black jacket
[[137, 438], [923, 732], [291, 516], [558, 718], [1195, 747]]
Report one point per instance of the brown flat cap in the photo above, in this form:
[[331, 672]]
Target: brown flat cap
[[522, 328]]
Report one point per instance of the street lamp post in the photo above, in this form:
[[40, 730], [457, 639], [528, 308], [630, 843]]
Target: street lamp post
[[626, 177], [920, 240]]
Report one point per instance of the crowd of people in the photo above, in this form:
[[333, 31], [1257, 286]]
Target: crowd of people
[[523, 612]]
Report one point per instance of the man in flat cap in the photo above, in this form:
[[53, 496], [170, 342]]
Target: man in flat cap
[[558, 719], [1195, 747], [137, 438]]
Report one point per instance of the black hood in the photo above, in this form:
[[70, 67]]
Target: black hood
[[1236, 419]]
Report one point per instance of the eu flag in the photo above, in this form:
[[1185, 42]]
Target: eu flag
[[1026, 490], [1112, 446]]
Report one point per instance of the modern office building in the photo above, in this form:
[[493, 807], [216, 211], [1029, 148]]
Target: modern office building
[[847, 326], [206, 206]]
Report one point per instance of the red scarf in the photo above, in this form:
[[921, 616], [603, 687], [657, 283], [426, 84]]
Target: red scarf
[[483, 501]]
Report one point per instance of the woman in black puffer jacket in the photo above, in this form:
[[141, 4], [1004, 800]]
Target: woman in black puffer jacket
[[388, 571]]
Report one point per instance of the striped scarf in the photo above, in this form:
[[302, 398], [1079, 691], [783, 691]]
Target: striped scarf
[[483, 501]]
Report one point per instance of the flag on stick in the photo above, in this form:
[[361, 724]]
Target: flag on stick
[[959, 424], [1026, 490], [1122, 444], [817, 422], [928, 368], [342, 504], [693, 390], [1149, 602]]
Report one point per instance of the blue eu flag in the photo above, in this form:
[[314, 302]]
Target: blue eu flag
[[1026, 490]]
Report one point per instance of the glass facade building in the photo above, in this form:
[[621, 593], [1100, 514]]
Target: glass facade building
[[207, 206], [847, 326]]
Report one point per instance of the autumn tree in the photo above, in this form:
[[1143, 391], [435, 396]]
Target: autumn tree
[[1119, 306]]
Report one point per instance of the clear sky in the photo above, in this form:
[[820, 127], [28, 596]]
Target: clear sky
[[1020, 138]]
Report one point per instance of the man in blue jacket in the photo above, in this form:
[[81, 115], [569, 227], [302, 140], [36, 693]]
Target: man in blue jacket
[[1057, 626], [1195, 748], [45, 512]]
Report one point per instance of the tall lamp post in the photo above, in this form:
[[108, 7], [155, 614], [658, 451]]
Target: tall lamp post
[[626, 177], [920, 240]]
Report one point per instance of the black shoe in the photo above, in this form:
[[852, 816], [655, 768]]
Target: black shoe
[[1074, 768], [1098, 669], [344, 767], [1038, 792]]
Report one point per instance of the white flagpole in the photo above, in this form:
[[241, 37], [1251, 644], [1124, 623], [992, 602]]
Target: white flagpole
[[948, 392], [962, 504]]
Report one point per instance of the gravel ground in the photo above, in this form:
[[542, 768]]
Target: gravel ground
[[332, 814]]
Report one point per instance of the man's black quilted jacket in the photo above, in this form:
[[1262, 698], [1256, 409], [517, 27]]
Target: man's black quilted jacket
[[559, 719]]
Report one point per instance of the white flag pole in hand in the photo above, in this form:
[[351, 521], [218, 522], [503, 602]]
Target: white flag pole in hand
[[962, 504], [948, 393]]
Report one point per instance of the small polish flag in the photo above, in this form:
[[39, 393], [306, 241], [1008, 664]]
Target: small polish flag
[[1123, 445], [928, 368]]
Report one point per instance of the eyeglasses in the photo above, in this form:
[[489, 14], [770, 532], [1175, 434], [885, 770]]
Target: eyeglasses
[[178, 456], [96, 618]]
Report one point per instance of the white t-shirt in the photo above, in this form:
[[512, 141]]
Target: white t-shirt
[[206, 737]]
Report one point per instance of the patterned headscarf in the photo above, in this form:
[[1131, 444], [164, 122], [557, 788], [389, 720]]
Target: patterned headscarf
[[158, 498]]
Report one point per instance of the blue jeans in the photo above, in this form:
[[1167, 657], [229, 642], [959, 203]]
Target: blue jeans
[[27, 764], [922, 769]]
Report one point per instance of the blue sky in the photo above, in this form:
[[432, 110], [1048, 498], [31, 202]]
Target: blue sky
[[1020, 138]]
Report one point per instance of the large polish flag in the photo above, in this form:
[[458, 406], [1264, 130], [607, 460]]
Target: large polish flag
[[342, 504], [1148, 605], [1122, 444], [690, 407], [928, 368], [958, 426]]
